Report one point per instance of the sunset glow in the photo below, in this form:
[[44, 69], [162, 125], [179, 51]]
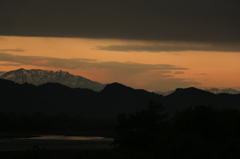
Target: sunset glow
[[96, 60]]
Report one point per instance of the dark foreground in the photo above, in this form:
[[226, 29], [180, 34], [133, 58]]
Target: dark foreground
[[53, 154], [36, 146], [193, 133], [75, 154], [24, 144]]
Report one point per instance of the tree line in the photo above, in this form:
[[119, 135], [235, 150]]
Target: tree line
[[195, 132], [41, 122]]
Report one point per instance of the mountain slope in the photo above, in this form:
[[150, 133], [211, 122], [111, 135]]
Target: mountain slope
[[115, 98], [212, 90], [54, 98], [38, 77], [183, 98]]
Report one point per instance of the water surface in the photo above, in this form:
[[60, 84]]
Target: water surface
[[64, 137], [56, 142]]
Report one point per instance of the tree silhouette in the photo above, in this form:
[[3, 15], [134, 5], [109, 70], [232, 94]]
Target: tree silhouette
[[138, 131]]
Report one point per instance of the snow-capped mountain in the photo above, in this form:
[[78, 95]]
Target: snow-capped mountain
[[226, 90], [212, 90], [38, 77]]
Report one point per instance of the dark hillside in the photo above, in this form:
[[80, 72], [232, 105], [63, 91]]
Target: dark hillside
[[53, 98], [115, 98], [183, 98]]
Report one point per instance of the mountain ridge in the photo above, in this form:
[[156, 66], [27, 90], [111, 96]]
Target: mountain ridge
[[52, 98], [38, 77], [211, 90], [225, 90], [114, 99]]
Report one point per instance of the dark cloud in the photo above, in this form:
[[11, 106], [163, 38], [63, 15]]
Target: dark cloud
[[158, 20], [202, 74], [11, 50], [173, 47], [86, 63], [134, 68], [178, 72], [10, 64], [45, 61]]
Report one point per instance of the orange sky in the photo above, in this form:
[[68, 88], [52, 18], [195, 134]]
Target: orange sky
[[151, 70]]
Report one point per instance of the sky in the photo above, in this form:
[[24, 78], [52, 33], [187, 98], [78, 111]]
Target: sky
[[156, 45]]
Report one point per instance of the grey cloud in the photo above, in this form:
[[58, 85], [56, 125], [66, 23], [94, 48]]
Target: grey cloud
[[157, 20], [202, 74], [45, 61], [171, 47], [10, 64], [85, 63], [166, 84], [136, 67], [178, 72], [11, 50]]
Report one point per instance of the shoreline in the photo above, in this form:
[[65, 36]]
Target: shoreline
[[12, 135]]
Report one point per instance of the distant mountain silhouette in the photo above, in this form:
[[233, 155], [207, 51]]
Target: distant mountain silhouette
[[183, 98], [53, 98], [38, 77], [212, 90], [115, 98], [120, 98]]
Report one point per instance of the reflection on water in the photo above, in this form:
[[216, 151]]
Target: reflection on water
[[63, 137]]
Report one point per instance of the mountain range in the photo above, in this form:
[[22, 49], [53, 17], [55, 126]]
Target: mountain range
[[187, 97], [113, 99], [225, 90], [53, 98], [38, 77], [212, 90]]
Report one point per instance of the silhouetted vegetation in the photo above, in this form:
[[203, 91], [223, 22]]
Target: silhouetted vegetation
[[40, 122], [35, 153], [142, 132], [195, 132], [139, 130]]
